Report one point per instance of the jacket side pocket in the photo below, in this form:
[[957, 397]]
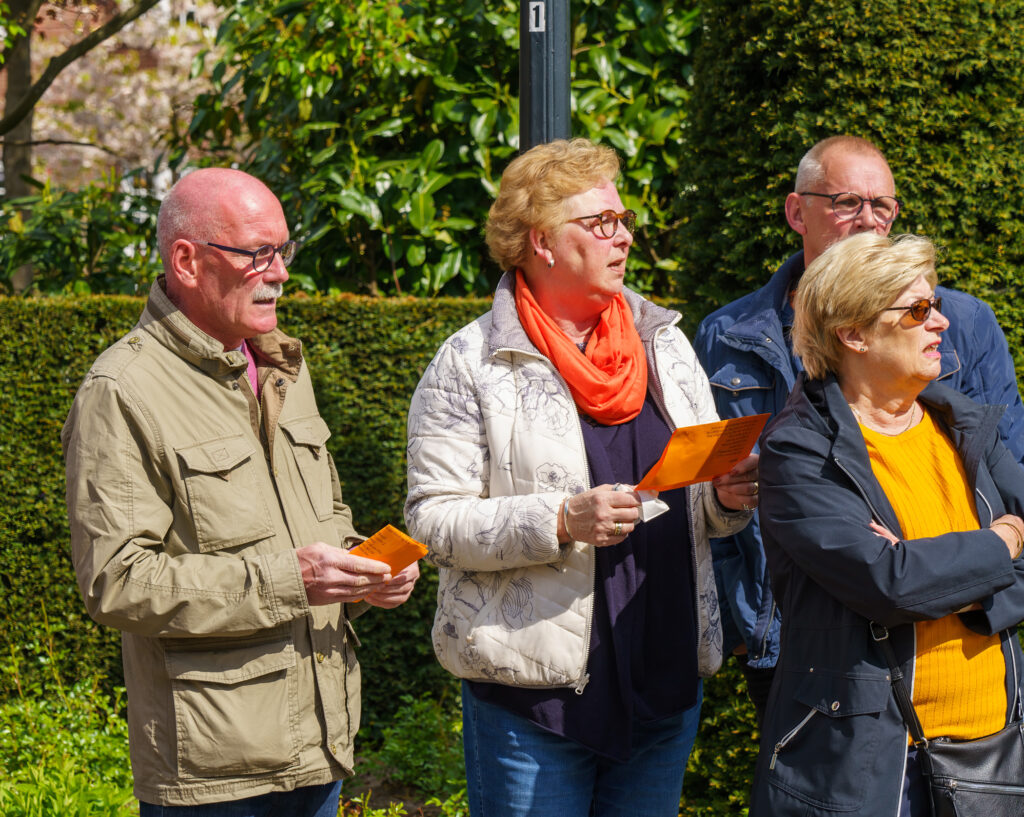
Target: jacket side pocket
[[235, 710], [832, 739]]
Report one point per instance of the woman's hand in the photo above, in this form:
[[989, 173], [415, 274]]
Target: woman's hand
[[1010, 529], [884, 532], [602, 516], [738, 489]]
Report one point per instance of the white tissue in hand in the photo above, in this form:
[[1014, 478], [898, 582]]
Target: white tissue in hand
[[651, 506]]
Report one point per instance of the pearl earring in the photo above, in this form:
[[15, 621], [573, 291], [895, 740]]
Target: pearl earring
[[551, 261]]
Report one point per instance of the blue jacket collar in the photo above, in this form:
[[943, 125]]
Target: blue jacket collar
[[764, 308]]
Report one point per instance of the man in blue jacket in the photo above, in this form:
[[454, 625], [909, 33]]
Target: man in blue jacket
[[843, 186]]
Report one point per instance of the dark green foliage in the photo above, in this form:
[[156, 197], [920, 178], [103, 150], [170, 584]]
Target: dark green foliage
[[366, 357], [421, 747], [101, 238], [935, 85], [384, 127], [721, 766]]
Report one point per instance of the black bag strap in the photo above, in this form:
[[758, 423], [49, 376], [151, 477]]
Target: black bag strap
[[899, 687]]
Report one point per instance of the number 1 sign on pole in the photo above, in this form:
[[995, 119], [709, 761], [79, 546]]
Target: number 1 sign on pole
[[543, 72]]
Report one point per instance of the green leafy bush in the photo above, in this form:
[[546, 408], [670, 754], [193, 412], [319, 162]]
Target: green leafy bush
[[385, 126], [65, 753], [366, 357], [935, 89], [101, 238], [421, 746]]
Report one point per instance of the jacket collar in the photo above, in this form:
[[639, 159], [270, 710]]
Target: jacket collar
[[762, 318], [169, 326], [507, 332], [820, 404]]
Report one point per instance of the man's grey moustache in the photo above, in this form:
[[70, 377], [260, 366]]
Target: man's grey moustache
[[267, 292]]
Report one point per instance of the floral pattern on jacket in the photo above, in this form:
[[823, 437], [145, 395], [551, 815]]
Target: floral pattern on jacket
[[495, 446]]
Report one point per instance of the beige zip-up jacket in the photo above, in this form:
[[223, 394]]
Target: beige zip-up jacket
[[494, 448], [187, 499]]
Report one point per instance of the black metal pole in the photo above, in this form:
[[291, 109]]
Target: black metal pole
[[543, 72]]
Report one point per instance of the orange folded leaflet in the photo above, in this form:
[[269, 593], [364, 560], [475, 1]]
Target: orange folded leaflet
[[392, 546], [698, 453]]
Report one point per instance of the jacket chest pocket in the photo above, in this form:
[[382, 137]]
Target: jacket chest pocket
[[740, 384], [236, 709], [308, 436], [226, 502]]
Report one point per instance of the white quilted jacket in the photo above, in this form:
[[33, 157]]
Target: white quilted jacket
[[494, 447]]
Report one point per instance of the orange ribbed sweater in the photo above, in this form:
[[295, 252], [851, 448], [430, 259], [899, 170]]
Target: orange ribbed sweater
[[959, 674]]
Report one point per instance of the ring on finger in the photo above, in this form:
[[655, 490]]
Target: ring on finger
[[756, 487], [746, 507], [618, 528]]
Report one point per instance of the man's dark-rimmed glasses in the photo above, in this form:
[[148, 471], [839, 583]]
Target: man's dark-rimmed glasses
[[262, 257], [608, 222], [847, 206]]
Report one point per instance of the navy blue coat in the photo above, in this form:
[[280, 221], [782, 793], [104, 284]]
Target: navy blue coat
[[751, 368], [833, 739]]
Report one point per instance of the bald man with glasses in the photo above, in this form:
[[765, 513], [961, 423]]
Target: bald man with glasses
[[843, 187], [208, 526]]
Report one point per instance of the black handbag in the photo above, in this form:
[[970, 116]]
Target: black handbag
[[966, 778]]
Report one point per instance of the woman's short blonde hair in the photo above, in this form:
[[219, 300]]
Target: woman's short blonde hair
[[848, 286], [535, 189]]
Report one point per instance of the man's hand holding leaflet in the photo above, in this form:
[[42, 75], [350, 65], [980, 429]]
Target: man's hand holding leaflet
[[400, 552]]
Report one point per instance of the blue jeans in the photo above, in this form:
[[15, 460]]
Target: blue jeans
[[308, 801], [515, 768]]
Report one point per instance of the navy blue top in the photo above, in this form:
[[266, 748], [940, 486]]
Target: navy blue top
[[643, 644]]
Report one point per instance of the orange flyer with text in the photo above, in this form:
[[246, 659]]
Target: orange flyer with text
[[392, 546], [699, 453]]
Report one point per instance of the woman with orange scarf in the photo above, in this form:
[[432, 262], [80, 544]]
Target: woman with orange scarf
[[580, 632]]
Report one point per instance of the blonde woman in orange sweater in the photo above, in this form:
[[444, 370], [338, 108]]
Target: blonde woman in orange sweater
[[886, 498]]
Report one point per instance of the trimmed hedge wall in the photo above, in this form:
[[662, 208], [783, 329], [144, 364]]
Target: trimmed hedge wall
[[366, 356], [936, 85]]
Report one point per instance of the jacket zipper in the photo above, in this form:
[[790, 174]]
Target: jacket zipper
[[658, 392], [994, 788], [583, 677], [863, 493], [767, 631], [789, 736]]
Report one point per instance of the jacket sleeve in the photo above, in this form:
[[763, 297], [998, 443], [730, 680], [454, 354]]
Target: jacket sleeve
[[121, 507], [1005, 608], [449, 507], [817, 516], [990, 377]]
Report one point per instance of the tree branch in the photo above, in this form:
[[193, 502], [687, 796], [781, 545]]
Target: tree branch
[[53, 68], [70, 142]]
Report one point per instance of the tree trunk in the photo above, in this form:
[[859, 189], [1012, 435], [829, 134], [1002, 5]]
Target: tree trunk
[[17, 154]]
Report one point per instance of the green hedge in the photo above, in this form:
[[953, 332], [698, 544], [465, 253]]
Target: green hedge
[[366, 356], [935, 85]]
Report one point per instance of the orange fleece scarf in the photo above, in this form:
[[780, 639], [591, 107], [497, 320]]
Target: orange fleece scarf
[[609, 380]]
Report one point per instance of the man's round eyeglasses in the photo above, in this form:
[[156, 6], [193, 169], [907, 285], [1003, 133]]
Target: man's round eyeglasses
[[608, 222], [847, 206], [262, 257], [919, 310]]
